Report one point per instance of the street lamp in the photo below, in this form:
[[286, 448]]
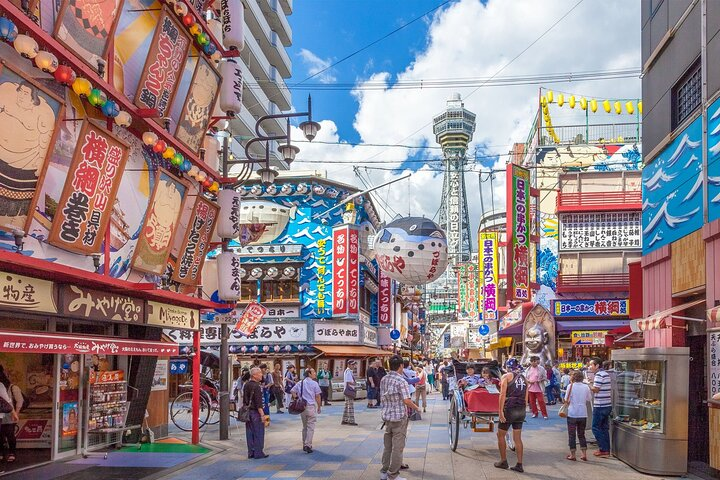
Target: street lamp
[[287, 150]]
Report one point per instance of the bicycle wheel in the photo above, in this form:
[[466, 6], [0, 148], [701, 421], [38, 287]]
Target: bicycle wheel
[[181, 411], [213, 407], [454, 423]]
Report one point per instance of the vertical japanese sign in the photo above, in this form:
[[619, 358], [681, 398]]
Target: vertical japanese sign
[[468, 292], [384, 299], [196, 242], [84, 209], [251, 317], [489, 272], [322, 290], [518, 231], [346, 271], [163, 68]]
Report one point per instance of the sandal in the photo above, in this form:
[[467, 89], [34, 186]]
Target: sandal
[[10, 458], [571, 458], [584, 458]]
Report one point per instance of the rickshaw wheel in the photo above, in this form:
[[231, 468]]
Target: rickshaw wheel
[[454, 423]]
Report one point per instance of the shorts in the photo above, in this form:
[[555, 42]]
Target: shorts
[[515, 417]]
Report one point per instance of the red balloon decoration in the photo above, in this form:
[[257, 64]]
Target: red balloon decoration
[[159, 147], [188, 20], [65, 75]]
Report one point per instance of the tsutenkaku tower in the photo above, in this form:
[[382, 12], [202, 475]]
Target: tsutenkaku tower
[[453, 130]]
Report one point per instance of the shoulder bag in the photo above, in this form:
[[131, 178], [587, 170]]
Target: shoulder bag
[[350, 391], [563, 412], [243, 414], [297, 405]]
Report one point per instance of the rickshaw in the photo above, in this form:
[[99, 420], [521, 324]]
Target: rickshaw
[[482, 415]]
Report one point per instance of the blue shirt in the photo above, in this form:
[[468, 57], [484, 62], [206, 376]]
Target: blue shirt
[[309, 389], [473, 379]]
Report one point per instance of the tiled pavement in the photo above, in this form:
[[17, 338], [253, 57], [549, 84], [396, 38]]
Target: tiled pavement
[[350, 453]]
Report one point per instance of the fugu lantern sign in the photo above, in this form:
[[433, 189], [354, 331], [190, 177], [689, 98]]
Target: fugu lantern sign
[[412, 250], [518, 228], [346, 271]]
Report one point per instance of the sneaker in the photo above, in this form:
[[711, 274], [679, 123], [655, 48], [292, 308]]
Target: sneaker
[[502, 464], [280, 411], [545, 417], [534, 415], [518, 468], [383, 476]]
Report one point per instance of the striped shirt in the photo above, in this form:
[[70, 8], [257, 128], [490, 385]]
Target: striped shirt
[[394, 389], [603, 398]]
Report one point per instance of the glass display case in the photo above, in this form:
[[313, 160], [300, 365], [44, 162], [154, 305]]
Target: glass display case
[[649, 427]]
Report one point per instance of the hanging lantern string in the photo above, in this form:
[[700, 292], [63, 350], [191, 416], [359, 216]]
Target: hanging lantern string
[[617, 106]]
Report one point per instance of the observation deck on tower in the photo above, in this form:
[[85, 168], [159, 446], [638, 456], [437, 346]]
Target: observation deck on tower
[[454, 127]]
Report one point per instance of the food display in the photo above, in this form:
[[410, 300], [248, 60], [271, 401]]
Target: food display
[[639, 394]]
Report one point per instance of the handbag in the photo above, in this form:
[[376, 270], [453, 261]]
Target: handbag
[[350, 392], [563, 412], [5, 406], [297, 405], [243, 415]]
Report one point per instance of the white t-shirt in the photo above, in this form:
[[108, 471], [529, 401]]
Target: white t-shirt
[[348, 377], [578, 398]]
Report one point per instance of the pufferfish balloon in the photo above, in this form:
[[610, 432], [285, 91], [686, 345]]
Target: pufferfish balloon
[[412, 250]]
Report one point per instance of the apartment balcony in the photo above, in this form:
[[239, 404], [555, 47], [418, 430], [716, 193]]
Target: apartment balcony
[[593, 282], [277, 91], [278, 21], [258, 104], [599, 134], [598, 201], [278, 56], [287, 6], [265, 36]]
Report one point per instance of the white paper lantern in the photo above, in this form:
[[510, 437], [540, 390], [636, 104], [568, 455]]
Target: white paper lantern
[[289, 272], [46, 61], [288, 348], [233, 24], [367, 232], [266, 349], [215, 27], [243, 349], [26, 46], [230, 97], [254, 348], [229, 221], [193, 171], [412, 250], [276, 348], [211, 146], [180, 9], [228, 265]]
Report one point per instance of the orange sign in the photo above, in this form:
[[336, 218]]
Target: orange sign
[[107, 376], [250, 318]]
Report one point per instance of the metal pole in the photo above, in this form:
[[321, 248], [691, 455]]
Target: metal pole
[[704, 93], [224, 334], [196, 389]]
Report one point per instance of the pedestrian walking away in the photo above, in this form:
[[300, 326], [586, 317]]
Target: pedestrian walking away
[[266, 383], [324, 378], [537, 378], [444, 380], [577, 396], [349, 390], [13, 395], [512, 405], [372, 388], [380, 372], [255, 426], [309, 390], [430, 373], [421, 388], [277, 387], [395, 401], [291, 379], [602, 405]]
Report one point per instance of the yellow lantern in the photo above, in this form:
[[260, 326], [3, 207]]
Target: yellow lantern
[[214, 187], [640, 107], [168, 153], [195, 29], [82, 86], [630, 107], [618, 108], [549, 95], [593, 105], [561, 100], [543, 102], [583, 103], [606, 106], [572, 101]]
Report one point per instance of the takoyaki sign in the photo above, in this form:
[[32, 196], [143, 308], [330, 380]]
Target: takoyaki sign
[[34, 342]]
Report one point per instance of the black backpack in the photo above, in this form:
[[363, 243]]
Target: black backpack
[[26, 400]]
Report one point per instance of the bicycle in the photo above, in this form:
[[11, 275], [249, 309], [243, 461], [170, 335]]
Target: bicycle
[[181, 412]]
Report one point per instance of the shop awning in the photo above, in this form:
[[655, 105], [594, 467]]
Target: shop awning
[[351, 351], [501, 343], [577, 325], [657, 320], [512, 330], [43, 342]]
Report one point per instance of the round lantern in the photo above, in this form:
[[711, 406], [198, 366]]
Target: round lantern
[[82, 86], [26, 46], [288, 348], [301, 347], [64, 75], [318, 189], [209, 49], [367, 235], [215, 27], [243, 349], [232, 15], [276, 348], [46, 61], [289, 272], [8, 30], [394, 334], [231, 89], [202, 39], [228, 267], [302, 188], [256, 272], [186, 165], [254, 348], [193, 171], [110, 109], [188, 20], [168, 153], [286, 189], [272, 272], [123, 119], [97, 97], [256, 190], [177, 159], [266, 349], [216, 56], [201, 176], [228, 225], [149, 138], [271, 189], [214, 187], [159, 147], [207, 182], [180, 9], [211, 146], [412, 250], [195, 29]]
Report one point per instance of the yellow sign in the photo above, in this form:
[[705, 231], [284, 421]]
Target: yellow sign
[[589, 337], [27, 293], [171, 316], [488, 258]]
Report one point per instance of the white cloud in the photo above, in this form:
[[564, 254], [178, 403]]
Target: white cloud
[[469, 39], [316, 64]]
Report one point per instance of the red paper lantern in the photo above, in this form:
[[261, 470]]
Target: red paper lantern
[[65, 75], [188, 20], [207, 183], [159, 147]]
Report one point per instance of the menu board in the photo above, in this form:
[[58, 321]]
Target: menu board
[[714, 364], [600, 231]]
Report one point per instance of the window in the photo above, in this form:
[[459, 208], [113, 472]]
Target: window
[[280, 290], [248, 291], [687, 95]]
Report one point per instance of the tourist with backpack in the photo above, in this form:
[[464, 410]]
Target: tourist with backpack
[[14, 396]]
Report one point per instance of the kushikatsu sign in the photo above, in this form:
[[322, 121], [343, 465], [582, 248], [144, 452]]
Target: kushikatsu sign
[[85, 206], [196, 242], [518, 228], [488, 253], [346, 271]]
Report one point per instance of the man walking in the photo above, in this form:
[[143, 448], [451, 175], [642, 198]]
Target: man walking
[[255, 426], [372, 387], [512, 404], [277, 387], [266, 384], [324, 378], [395, 401], [309, 390], [379, 374], [602, 404]]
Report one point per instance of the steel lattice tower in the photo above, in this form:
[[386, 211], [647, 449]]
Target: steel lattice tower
[[453, 130]]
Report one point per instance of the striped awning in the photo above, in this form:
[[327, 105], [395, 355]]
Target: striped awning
[[657, 320]]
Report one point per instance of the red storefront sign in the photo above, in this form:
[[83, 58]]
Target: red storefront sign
[[346, 271], [251, 317], [384, 299], [39, 342], [196, 242], [107, 376], [518, 231]]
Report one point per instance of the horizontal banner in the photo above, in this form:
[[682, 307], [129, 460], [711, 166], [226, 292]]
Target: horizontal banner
[[40, 342]]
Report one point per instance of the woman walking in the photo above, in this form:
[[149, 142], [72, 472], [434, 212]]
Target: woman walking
[[349, 391], [421, 388], [430, 372], [11, 394], [577, 396]]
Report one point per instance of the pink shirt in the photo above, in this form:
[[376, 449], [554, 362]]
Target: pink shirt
[[533, 376]]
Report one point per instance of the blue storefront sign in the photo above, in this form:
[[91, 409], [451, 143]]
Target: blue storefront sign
[[179, 366], [614, 307]]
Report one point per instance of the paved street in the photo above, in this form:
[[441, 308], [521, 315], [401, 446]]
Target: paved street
[[354, 452]]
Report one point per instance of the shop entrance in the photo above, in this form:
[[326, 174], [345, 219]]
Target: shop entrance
[[698, 421], [70, 389]]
